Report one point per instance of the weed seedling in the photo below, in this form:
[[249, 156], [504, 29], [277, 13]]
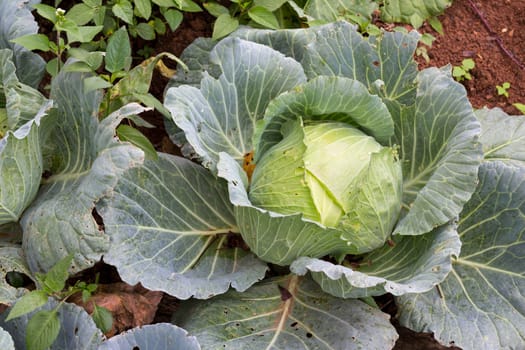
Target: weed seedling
[[44, 325], [503, 89], [462, 72]]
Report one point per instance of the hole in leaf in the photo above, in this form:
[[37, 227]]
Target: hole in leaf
[[309, 335], [293, 324], [17, 279], [98, 219], [136, 348]]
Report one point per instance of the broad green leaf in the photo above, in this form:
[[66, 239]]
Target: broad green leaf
[[170, 223], [264, 17], [21, 169], [221, 115], [118, 51], [11, 259], [17, 21], [135, 85], [502, 136], [215, 9], [188, 5], [143, 7], [409, 264], [152, 337], [384, 64], [135, 137], [55, 279], [123, 10], [103, 318], [439, 146], [197, 60], [33, 42], [164, 3], [81, 14], [6, 342], [330, 10], [326, 98], [481, 303], [46, 11], [273, 237], [290, 42], [22, 103], [174, 18], [145, 31], [414, 12], [84, 34], [29, 302], [42, 330], [289, 312], [270, 5], [84, 162], [224, 25], [96, 83], [77, 329]]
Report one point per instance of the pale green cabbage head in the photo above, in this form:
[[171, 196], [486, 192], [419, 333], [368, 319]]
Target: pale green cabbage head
[[333, 174]]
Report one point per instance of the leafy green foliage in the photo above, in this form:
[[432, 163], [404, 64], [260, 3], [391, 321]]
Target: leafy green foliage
[[462, 72], [192, 231], [503, 89], [44, 325], [272, 14], [42, 330]]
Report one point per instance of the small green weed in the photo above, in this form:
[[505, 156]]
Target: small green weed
[[503, 89], [462, 72], [44, 325]]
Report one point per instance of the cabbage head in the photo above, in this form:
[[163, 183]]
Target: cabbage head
[[334, 174]]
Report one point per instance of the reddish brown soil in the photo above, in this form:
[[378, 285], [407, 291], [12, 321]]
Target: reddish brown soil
[[467, 36]]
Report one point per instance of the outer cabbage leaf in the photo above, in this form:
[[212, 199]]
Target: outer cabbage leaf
[[414, 12], [221, 115], [85, 162], [439, 147], [289, 312], [77, 329], [20, 169], [158, 336], [385, 64], [413, 264], [11, 259], [329, 11], [16, 21], [22, 102], [6, 342], [273, 237], [170, 224], [481, 304], [502, 136], [21, 111], [325, 98], [196, 57]]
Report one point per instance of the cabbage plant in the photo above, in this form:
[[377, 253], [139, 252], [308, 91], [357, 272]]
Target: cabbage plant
[[321, 169], [363, 175]]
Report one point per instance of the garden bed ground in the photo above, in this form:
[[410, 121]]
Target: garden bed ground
[[487, 31]]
